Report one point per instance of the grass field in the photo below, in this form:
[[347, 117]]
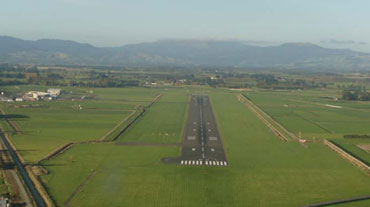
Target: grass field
[[49, 124], [350, 146], [262, 171], [306, 112], [163, 122]]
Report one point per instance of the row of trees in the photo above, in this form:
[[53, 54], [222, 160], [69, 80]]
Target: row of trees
[[355, 95], [354, 136]]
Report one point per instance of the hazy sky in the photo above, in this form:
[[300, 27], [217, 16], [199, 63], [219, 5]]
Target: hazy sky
[[118, 22]]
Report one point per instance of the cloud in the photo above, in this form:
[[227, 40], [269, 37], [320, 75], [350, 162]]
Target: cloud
[[343, 42]]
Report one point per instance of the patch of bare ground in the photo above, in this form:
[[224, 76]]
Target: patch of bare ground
[[365, 147]]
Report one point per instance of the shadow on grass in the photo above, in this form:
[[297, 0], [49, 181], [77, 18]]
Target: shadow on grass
[[53, 164], [13, 116]]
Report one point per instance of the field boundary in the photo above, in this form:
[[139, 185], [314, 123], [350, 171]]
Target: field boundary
[[347, 156], [328, 203], [260, 114], [79, 188], [10, 122], [118, 125], [292, 135], [56, 152], [66, 146], [148, 144], [156, 99]]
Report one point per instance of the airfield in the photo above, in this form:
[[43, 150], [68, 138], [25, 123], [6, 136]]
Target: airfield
[[97, 166]]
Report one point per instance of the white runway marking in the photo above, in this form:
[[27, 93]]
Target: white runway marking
[[201, 162], [193, 162], [197, 162], [193, 149], [209, 130], [217, 163], [182, 162], [225, 163], [212, 138], [206, 162], [191, 137], [214, 163], [222, 163], [212, 149], [186, 162]]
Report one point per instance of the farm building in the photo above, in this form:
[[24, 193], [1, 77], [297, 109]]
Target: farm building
[[54, 92], [50, 94], [4, 202]]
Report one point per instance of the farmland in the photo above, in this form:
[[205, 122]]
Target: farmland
[[45, 126], [306, 112], [163, 122], [263, 170]]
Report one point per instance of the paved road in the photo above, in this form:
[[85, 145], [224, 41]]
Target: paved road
[[202, 143], [28, 182]]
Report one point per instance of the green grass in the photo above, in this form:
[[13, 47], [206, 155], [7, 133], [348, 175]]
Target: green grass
[[262, 171], [161, 123], [349, 145], [304, 111], [56, 123]]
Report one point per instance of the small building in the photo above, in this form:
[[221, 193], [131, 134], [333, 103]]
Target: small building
[[54, 91], [19, 99], [4, 202]]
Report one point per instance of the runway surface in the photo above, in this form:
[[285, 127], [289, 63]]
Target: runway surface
[[201, 144]]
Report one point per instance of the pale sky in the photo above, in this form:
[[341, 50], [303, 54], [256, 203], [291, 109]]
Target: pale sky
[[333, 23]]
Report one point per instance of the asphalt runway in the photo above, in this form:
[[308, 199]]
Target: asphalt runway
[[202, 144]]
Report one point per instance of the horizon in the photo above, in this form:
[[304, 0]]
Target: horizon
[[329, 23], [247, 42]]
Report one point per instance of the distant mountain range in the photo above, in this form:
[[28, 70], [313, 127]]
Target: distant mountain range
[[182, 53]]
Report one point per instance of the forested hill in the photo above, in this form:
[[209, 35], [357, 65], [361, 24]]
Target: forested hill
[[181, 53]]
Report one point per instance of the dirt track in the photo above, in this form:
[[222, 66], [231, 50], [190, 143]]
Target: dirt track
[[266, 119]]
